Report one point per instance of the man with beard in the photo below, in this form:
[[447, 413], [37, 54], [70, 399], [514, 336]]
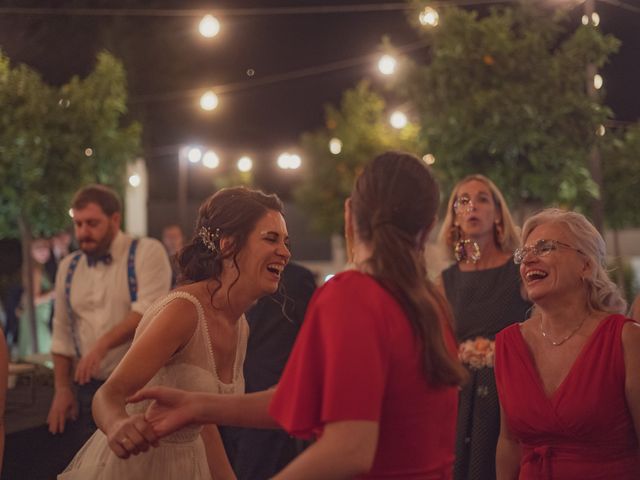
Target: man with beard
[[102, 290]]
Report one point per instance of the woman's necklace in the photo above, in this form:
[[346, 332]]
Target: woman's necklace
[[565, 338]]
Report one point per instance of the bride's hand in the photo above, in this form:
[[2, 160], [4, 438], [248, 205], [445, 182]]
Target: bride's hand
[[170, 410], [131, 436]]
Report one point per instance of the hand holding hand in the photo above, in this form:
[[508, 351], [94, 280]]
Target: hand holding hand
[[63, 406], [170, 410], [131, 436], [89, 364]]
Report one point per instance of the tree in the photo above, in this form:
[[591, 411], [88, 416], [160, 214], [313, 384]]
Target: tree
[[504, 95], [52, 141], [621, 173], [360, 124]]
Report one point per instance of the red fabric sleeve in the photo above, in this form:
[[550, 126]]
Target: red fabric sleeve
[[337, 370]]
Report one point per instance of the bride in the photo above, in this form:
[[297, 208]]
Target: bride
[[192, 339]]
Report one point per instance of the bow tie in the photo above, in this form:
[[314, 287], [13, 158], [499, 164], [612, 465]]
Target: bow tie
[[93, 261]]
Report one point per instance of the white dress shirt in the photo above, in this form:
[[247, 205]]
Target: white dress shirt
[[100, 296]]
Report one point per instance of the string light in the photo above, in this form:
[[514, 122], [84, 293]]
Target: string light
[[598, 81], [335, 146], [398, 120], [429, 159], [387, 65], [238, 12], [209, 101], [245, 164], [209, 26], [211, 159], [135, 180], [194, 155], [429, 17]]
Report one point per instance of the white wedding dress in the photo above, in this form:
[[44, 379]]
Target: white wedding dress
[[181, 455]]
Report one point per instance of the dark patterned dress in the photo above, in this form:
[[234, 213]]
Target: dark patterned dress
[[483, 302]]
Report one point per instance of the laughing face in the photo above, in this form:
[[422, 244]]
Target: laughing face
[[265, 254], [551, 269], [475, 209]]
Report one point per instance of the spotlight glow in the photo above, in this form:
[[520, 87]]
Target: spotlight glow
[[245, 164], [211, 159], [429, 159], [598, 81], [429, 17], [209, 26], [135, 180], [194, 155], [335, 146], [387, 65], [208, 101], [398, 120]]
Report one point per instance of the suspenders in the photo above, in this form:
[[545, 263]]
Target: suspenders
[[131, 281]]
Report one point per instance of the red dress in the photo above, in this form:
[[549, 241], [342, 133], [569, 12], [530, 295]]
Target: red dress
[[584, 430], [356, 359]]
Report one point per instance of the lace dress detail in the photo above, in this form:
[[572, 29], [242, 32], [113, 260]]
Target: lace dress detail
[[180, 455]]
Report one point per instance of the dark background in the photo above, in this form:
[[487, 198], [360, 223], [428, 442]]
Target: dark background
[[169, 65]]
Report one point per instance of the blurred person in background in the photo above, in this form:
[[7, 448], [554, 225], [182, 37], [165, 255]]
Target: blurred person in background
[[173, 241], [274, 322], [43, 294], [484, 290], [101, 292]]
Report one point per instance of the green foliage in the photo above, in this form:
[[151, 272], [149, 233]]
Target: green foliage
[[361, 125], [620, 153], [44, 133], [504, 95]]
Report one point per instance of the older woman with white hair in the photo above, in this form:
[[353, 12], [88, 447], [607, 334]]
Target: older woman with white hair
[[567, 377]]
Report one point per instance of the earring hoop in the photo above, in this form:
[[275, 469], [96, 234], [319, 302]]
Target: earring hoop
[[461, 254]]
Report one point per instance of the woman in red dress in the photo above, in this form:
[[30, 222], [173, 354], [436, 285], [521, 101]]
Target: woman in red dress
[[568, 377], [373, 376]]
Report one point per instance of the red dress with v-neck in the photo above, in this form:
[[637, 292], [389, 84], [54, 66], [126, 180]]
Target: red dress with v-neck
[[584, 430]]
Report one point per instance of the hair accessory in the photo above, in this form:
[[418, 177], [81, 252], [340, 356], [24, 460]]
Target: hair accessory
[[461, 254], [209, 238]]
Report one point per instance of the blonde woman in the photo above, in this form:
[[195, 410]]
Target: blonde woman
[[568, 376], [483, 289]]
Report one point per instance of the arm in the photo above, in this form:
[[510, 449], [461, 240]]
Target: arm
[[64, 404], [631, 347], [4, 374], [507, 452], [90, 362], [344, 450], [167, 332], [174, 409], [219, 465]]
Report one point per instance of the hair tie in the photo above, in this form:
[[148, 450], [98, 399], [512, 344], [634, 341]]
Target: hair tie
[[381, 223]]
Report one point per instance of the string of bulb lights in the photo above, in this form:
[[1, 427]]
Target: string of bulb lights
[[210, 26], [428, 17]]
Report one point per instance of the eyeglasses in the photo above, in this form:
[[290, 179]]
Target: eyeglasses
[[541, 248]]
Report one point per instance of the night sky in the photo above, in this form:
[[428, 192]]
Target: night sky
[[168, 61]]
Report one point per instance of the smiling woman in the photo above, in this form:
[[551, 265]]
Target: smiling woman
[[194, 339], [575, 412]]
